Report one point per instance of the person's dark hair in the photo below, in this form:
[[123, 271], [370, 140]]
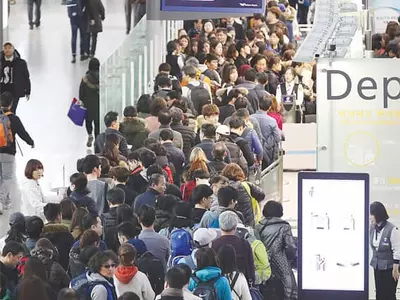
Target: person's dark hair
[[226, 73], [166, 135], [147, 215], [67, 208], [157, 105], [79, 165], [273, 61], [6, 99], [111, 151], [127, 254], [187, 271], [124, 213], [210, 57], [31, 166], [175, 278], [94, 65], [121, 174], [34, 227], [171, 46], [99, 259], [164, 117], [164, 67], [110, 117], [147, 157], [34, 266], [17, 231], [219, 151], [89, 238], [182, 214], [201, 191], [130, 112], [51, 211], [250, 35], [218, 178], [205, 257], [149, 142], [68, 294], [79, 180], [128, 230], [200, 174], [156, 179], [143, 104], [262, 78], [242, 113], [378, 210], [12, 247], [77, 218], [116, 196], [231, 51], [236, 123], [265, 103], [227, 259], [208, 130], [32, 285], [166, 202], [272, 209], [129, 296], [91, 162], [86, 253], [226, 195], [164, 81], [134, 155], [241, 102], [256, 59], [89, 220], [250, 75], [105, 167]]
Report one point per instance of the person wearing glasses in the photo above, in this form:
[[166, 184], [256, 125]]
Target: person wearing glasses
[[101, 271]]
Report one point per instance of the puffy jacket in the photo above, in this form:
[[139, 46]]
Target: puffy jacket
[[254, 142], [134, 131], [244, 200], [221, 285], [109, 219], [163, 220], [235, 152], [276, 234], [188, 137]]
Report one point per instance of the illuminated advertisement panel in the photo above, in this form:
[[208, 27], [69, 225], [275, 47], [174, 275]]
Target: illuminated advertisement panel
[[222, 6]]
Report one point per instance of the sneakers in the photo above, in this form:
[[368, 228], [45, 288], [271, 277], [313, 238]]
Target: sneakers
[[90, 141]]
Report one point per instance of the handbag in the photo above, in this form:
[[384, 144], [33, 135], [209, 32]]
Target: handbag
[[77, 113]]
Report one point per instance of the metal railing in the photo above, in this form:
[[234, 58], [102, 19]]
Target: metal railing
[[272, 180]]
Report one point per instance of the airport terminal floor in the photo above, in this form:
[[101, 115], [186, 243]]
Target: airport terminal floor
[[55, 81]]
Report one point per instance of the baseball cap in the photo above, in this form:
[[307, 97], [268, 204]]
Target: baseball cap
[[16, 218], [228, 221], [202, 237], [223, 130]]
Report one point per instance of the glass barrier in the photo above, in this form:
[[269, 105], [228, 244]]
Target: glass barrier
[[126, 74], [272, 181]]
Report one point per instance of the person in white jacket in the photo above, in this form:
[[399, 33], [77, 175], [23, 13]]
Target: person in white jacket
[[128, 278], [31, 193], [237, 280]]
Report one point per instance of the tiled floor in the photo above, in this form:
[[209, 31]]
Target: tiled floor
[[55, 81]]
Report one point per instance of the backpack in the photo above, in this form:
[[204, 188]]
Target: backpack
[[84, 287], [255, 293], [150, 265], [170, 176], [254, 203], [181, 245], [206, 290], [6, 135], [198, 96], [233, 282], [187, 189], [188, 260]]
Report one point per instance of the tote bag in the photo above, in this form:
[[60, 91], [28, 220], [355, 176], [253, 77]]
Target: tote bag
[[77, 113]]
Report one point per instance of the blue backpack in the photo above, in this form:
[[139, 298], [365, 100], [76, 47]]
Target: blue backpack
[[181, 245], [214, 223], [84, 287]]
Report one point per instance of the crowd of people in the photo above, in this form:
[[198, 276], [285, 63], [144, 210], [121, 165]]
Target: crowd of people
[[387, 45]]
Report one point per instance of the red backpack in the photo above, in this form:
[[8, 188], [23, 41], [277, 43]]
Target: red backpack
[[187, 189]]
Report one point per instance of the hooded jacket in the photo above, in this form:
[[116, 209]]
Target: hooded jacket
[[130, 279], [18, 69], [81, 199], [61, 238], [221, 285], [135, 132], [105, 290]]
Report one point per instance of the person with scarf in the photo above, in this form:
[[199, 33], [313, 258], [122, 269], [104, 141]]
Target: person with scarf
[[128, 278]]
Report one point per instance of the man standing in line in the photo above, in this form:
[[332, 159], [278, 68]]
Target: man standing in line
[[11, 125], [14, 75], [38, 4]]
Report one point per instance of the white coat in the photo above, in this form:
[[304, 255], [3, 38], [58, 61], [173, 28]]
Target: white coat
[[32, 199]]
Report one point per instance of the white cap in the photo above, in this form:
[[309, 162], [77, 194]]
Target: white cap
[[223, 130], [204, 237]]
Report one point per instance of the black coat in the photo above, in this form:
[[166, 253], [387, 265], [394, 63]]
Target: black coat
[[89, 94], [188, 137], [95, 11], [20, 75], [130, 194]]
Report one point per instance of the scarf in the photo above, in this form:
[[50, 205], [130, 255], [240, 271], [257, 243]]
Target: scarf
[[125, 274]]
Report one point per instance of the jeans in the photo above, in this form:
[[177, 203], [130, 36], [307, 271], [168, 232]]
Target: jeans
[[89, 126], [302, 13], [37, 11], [129, 8], [78, 24], [140, 11], [7, 180], [91, 43]]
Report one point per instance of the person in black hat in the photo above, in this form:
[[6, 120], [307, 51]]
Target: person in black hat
[[14, 75]]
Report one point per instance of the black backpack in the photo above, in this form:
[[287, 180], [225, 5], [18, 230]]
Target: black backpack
[[198, 96], [206, 290], [150, 265]]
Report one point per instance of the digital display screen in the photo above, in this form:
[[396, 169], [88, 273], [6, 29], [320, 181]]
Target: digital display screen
[[333, 235], [236, 6]]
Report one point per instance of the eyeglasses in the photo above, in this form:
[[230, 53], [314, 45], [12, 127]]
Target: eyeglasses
[[110, 266]]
